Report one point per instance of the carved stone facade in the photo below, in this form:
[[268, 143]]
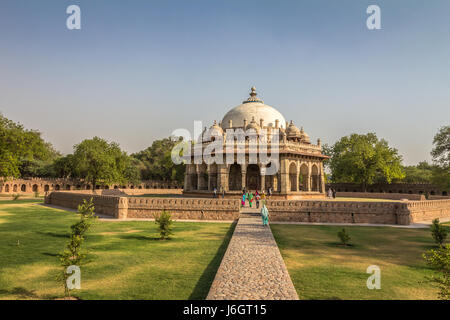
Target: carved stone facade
[[299, 169]]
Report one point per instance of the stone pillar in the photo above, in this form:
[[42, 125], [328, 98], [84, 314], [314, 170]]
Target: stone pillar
[[308, 186], [222, 177], [322, 179], [199, 177], [208, 169], [122, 208], [263, 177], [284, 176], [244, 176]]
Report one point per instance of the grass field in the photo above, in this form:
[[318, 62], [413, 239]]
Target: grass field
[[320, 268], [126, 259]]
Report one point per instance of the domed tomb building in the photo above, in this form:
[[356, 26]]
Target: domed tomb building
[[298, 166]]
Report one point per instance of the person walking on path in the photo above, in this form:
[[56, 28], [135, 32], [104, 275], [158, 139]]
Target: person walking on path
[[250, 199], [223, 193], [270, 191], [243, 200], [265, 215], [258, 197], [215, 192], [334, 193], [263, 197]]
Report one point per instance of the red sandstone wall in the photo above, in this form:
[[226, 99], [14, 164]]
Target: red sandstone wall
[[196, 209], [336, 212], [106, 205], [374, 195], [427, 210]]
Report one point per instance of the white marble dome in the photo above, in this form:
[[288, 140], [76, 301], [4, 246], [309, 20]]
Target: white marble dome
[[253, 108]]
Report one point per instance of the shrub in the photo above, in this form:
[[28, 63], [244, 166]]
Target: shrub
[[16, 196], [344, 237], [164, 222], [439, 260], [438, 232], [72, 254]]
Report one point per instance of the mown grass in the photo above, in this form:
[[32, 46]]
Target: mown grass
[[321, 268], [126, 260]]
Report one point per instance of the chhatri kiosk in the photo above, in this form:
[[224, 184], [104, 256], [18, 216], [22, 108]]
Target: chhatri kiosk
[[298, 175]]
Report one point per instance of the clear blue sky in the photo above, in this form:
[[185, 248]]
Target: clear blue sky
[[137, 70]]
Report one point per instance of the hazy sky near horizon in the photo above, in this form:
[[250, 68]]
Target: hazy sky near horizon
[[137, 70]]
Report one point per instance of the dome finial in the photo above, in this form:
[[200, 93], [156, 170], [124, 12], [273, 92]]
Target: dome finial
[[253, 97]]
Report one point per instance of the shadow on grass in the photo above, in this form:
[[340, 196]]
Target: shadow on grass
[[205, 281], [137, 237], [21, 292], [340, 245], [54, 234]]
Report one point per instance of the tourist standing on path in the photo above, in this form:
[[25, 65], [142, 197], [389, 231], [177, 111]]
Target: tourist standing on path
[[223, 193], [330, 193], [243, 200], [258, 197], [334, 193], [250, 199], [270, 191], [215, 192], [265, 215]]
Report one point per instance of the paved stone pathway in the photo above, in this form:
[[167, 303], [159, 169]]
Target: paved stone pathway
[[252, 267]]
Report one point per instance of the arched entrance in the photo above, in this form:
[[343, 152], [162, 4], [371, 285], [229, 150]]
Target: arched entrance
[[253, 181], [304, 177], [235, 177], [293, 176], [315, 178], [203, 177], [212, 176]]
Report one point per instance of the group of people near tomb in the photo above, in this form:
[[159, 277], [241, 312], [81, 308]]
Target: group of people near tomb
[[257, 198]]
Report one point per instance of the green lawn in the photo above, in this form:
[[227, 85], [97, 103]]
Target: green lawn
[[320, 268], [126, 259]]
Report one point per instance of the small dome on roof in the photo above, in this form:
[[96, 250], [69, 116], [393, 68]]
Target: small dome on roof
[[292, 131], [253, 125]]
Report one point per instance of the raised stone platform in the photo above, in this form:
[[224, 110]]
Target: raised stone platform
[[252, 268]]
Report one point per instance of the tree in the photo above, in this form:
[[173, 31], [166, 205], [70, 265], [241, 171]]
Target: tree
[[438, 232], [344, 237], [441, 157], [156, 161], [439, 260], [22, 151], [364, 159], [73, 254], [96, 160], [421, 173], [164, 222]]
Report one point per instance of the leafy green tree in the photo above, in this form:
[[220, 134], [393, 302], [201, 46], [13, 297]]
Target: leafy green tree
[[421, 173], [156, 161], [164, 222], [365, 160], [98, 161], [439, 260], [441, 157], [22, 151], [73, 254], [438, 232], [64, 167]]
